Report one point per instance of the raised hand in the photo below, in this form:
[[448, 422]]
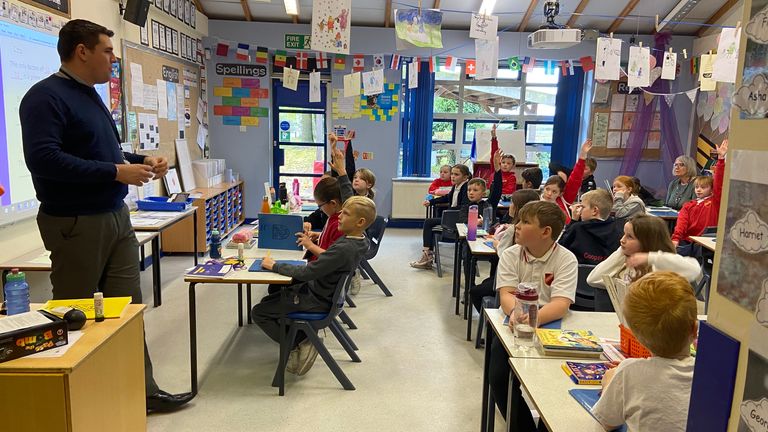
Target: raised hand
[[338, 162], [585, 148], [497, 159], [332, 138], [722, 149], [493, 130]]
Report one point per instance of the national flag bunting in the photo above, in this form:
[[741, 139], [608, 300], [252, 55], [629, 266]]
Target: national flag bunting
[[470, 67], [394, 63], [262, 55], [242, 51], [378, 61], [222, 49], [302, 59], [321, 61], [513, 63], [416, 61], [587, 64], [566, 67], [528, 64], [340, 62], [432, 63], [280, 58], [358, 62]]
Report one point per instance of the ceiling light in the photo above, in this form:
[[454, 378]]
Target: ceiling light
[[487, 7], [291, 7], [678, 13]]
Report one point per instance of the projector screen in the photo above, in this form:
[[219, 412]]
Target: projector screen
[[27, 56]]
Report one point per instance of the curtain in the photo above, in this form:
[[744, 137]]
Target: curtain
[[565, 135], [417, 125]]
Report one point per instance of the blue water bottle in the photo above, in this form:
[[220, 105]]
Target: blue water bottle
[[16, 293], [215, 244]]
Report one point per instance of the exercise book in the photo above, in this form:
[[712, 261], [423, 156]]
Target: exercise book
[[256, 266]]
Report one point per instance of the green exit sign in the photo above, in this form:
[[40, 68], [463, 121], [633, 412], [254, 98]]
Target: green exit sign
[[297, 41]]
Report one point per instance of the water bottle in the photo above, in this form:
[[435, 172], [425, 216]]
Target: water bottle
[[487, 218], [16, 293], [215, 244], [295, 187], [283, 193], [525, 315], [472, 223]]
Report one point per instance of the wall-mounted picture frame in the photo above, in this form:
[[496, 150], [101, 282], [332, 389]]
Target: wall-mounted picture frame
[[167, 6], [172, 182], [168, 39], [159, 4], [175, 41], [156, 34], [162, 44], [187, 11], [173, 8], [193, 15], [183, 47], [144, 35]]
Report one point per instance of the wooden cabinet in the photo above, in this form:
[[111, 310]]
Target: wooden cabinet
[[218, 208]]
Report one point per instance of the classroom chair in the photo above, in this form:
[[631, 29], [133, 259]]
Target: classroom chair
[[445, 233], [585, 294], [310, 323], [375, 233], [489, 302]]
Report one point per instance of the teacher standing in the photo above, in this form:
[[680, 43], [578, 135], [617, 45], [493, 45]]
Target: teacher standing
[[81, 176]]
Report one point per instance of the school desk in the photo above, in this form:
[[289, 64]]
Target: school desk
[[240, 278], [97, 385], [40, 260], [478, 251], [602, 324], [706, 242]]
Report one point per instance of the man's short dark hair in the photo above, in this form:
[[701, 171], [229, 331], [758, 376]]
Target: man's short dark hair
[[78, 32]]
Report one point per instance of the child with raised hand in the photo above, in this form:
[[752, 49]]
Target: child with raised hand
[[653, 394], [645, 247], [703, 211], [363, 182], [442, 184], [626, 203], [505, 170], [456, 199], [315, 283], [589, 183], [564, 193]]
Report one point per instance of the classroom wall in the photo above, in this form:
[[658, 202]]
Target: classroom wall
[[249, 149], [23, 236]]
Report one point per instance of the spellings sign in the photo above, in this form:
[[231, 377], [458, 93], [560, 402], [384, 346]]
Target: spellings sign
[[235, 69], [170, 74]]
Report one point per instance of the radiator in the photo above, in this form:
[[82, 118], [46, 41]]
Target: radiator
[[407, 197]]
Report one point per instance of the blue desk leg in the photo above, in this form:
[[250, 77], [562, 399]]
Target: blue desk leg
[[488, 415], [192, 338]]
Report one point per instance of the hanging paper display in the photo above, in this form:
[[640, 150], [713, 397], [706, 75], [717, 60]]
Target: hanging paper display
[[487, 58], [290, 78], [483, 26], [608, 59], [669, 66], [314, 87], [418, 28], [755, 69], [331, 22], [345, 107], [727, 58], [383, 106], [638, 73], [373, 82], [352, 84], [240, 100], [413, 76], [705, 73]]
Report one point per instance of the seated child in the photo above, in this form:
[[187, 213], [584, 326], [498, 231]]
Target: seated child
[[456, 199], [626, 203], [315, 283], [589, 184], [532, 178], [652, 394], [703, 211], [503, 237], [441, 185], [597, 235], [317, 219], [645, 247], [363, 183], [562, 193], [536, 258]]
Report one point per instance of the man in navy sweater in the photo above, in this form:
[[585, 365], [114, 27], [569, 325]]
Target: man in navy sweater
[[81, 176]]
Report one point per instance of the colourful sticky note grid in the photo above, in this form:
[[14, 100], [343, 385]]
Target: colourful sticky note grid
[[260, 93], [259, 112], [221, 110], [231, 101], [249, 121], [232, 82], [231, 120], [222, 91], [249, 102], [241, 111], [250, 82], [241, 92]]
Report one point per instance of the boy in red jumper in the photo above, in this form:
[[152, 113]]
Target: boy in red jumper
[[508, 179], [703, 211], [564, 193]]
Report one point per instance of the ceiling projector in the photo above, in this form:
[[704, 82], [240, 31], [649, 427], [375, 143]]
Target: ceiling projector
[[551, 35]]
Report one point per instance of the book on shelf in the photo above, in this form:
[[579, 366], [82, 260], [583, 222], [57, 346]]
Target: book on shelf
[[576, 343], [585, 373], [211, 269]]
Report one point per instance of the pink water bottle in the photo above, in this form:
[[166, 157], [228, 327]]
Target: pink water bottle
[[472, 223]]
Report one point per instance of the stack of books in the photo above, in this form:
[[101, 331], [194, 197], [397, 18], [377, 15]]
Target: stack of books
[[572, 343]]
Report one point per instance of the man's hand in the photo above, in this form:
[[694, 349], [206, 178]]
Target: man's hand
[[339, 164], [585, 148], [267, 263], [159, 165], [722, 149], [134, 174]]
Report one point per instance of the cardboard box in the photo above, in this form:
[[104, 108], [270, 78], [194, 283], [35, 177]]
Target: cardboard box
[[31, 340]]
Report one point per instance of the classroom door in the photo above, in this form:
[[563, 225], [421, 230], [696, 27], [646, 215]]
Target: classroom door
[[299, 137]]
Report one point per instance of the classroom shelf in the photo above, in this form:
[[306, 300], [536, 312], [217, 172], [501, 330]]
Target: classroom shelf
[[219, 207]]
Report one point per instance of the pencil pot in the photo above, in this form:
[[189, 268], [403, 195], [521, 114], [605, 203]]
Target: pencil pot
[[630, 346]]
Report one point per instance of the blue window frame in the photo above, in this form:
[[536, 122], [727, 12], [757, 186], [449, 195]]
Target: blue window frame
[[471, 125], [443, 130], [538, 132]]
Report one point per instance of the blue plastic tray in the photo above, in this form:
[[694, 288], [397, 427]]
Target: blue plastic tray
[[162, 204]]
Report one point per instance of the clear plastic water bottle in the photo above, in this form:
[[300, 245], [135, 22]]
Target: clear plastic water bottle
[[16, 293], [525, 315], [215, 244], [472, 223], [487, 218]]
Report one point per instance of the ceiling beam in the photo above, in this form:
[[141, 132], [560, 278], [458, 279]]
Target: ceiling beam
[[200, 7], [388, 13], [717, 15], [295, 19], [624, 12], [576, 13], [246, 10], [436, 4], [527, 16]]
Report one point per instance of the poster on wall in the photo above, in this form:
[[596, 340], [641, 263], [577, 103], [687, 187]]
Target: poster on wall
[[418, 28], [743, 272], [752, 97], [331, 21], [383, 106], [59, 7]]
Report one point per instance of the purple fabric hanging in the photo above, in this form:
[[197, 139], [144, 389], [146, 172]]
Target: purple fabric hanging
[[670, 140]]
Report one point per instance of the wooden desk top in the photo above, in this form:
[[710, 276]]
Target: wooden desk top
[[707, 242], [166, 219], [94, 335], [547, 385], [602, 324]]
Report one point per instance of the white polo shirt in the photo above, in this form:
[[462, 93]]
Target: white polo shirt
[[556, 272]]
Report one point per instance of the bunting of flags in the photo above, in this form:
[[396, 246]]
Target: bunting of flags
[[358, 63], [262, 55], [450, 62], [280, 58], [395, 62], [321, 61], [470, 67], [513, 63], [587, 64], [222, 49], [378, 61], [242, 51], [340, 62], [302, 60]]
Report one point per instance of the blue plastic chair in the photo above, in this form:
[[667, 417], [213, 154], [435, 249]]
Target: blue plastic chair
[[309, 323]]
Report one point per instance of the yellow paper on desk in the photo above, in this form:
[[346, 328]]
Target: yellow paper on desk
[[113, 306]]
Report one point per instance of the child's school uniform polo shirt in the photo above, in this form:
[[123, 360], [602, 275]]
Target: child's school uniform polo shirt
[[556, 272]]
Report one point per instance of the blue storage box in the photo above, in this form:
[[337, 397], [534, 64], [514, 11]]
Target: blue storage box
[[162, 204]]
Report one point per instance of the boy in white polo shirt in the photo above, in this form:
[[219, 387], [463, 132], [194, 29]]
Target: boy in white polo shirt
[[539, 259]]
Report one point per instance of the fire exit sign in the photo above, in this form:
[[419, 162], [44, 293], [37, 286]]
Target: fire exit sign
[[297, 41]]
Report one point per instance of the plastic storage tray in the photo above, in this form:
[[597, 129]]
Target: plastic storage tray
[[162, 204]]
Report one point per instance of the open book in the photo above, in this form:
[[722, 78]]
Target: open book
[[587, 398]]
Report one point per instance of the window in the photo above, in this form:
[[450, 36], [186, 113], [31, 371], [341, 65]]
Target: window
[[441, 156], [538, 133], [471, 125], [446, 99], [443, 131]]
